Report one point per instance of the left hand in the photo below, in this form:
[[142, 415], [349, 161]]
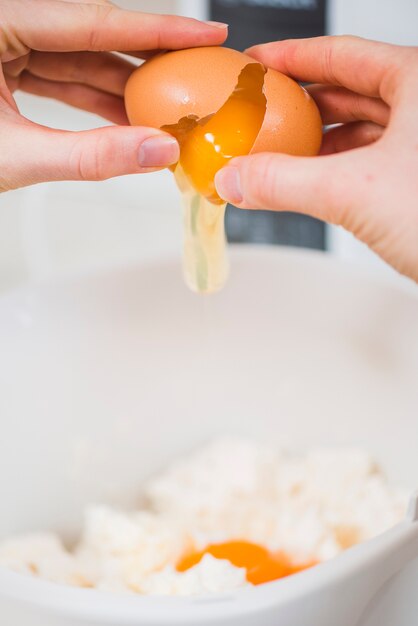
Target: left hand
[[62, 49]]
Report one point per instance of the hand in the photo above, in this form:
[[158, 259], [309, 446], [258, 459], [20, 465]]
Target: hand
[[58, 49], [367, 177]]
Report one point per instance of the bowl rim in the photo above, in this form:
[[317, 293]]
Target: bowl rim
[[83, 604]]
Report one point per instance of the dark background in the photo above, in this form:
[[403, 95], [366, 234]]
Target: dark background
[[257, 21]]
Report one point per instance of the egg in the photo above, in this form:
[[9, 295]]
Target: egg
[[220, 104], [197, 82]]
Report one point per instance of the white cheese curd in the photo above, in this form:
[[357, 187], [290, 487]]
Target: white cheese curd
[[310, 507], [43, 555], [209, 576]]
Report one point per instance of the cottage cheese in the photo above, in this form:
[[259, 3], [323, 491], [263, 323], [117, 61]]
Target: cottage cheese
[[310, 506]]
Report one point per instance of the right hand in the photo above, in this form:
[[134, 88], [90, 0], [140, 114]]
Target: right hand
[[366, 178]]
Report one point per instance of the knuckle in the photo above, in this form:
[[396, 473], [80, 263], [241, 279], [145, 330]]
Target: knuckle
[[17, 66], [86, 159], [357, 106], [289, 55], [75, 69], [11, 45], [99, 15], [328, 63]]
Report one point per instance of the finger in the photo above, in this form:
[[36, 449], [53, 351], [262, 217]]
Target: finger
[[106, 105], [7, 102], [351, 136], [103, 71], [339, 105], [16, 67], [37, 154], [11, 83], [314, 186], [366, 67], [65, 27]]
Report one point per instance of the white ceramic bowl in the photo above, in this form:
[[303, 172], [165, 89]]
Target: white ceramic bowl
[[103, 379]]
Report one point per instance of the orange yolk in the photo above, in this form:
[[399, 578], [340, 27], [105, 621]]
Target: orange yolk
[[231, 132], [262, 566]]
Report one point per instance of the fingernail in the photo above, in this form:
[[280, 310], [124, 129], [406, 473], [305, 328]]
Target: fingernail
[[217, 24], [228, 185], [159, 151]]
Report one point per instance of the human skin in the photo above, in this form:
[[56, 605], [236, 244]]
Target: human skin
[[63, 50], [366, 177]]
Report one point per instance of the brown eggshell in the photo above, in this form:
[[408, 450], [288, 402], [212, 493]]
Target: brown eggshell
[[196, 81], [292, 123]]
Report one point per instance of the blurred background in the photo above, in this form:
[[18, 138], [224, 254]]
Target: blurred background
[[61, 228]]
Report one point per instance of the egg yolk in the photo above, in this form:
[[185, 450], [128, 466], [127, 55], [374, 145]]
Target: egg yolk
[[262, 566], [229, 133]]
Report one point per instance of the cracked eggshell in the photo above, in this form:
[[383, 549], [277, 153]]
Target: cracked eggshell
[[173, 85], [292, 123], [198, 81]]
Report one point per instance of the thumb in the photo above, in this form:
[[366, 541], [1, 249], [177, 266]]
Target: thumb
[[36, 154], [323, 187]]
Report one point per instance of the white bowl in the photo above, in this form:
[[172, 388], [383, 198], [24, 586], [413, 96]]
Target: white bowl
[[103, 379]]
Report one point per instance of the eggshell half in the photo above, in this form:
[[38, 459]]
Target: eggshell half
[[292, 123], [198, 81]]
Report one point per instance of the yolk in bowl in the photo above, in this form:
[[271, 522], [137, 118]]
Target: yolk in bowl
[[262, 566]]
